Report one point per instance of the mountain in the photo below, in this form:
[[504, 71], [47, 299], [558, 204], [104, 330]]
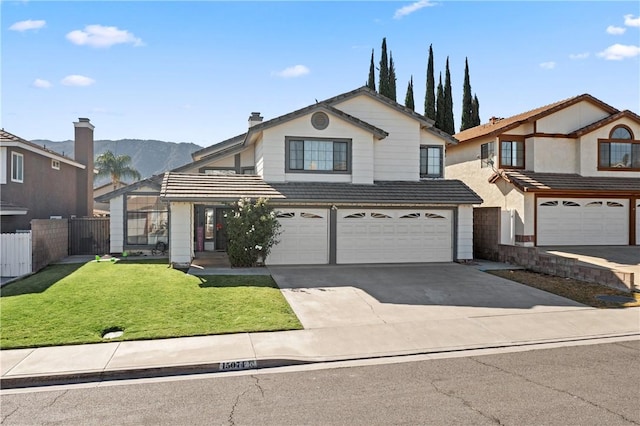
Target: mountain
[[149, 157]]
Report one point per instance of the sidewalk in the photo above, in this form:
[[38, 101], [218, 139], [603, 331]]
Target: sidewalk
[[206, 354]]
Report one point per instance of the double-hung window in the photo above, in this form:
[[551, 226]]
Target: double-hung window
[[512, 154], [431, 161], [318, 155], [17, 167], [487, 155], [620, 151]]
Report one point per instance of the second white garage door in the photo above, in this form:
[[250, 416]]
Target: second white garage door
[[582, 221], [304, 239], [394, 236]]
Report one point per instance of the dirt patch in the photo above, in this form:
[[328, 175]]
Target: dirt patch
[[580, 291]]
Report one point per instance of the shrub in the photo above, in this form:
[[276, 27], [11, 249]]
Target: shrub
[[252, 229]]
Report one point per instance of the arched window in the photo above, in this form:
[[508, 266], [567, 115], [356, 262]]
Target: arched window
[[621, 132], [621, 152]]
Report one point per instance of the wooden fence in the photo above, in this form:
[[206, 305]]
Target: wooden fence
[[15, 254], [89, 235]]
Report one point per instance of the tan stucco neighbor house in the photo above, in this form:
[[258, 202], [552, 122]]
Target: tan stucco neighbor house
[[567, 173], [356, 178]]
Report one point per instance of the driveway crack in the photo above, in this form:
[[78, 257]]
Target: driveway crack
[[528, 380], [257, 384], [57, 398], [373, 311], [4, 418], [466, 404], [232, 422]]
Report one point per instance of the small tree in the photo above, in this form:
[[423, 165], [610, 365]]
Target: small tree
[[115, 167], [252, 229], [408, 100]]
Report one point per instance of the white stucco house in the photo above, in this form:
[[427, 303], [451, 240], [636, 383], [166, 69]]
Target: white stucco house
[[356, 178], [567, 173]]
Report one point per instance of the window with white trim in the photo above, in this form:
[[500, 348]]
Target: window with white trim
[[431, 161], [55, 164], [17, 167]]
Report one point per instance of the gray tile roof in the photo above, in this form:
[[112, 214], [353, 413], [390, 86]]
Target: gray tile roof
[[199, 187], [553, 182], [153, 182], [437, 191], [10, 137]]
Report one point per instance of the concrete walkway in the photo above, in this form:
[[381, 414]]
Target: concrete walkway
[[468, 329]]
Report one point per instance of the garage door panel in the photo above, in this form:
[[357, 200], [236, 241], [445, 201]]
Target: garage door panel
[[304, 238], [568, 221], [394, 236]]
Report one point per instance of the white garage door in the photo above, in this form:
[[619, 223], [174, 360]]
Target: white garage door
[[304, 239], [582, 221], [394, 236], [638, 222]]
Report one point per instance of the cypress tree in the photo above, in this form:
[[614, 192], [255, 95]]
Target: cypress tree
[[383, 82], [475, 118], [371, 83], [408, 100], [440, 107], [467, 101], [392, 79], [449, 125], [430, 96]]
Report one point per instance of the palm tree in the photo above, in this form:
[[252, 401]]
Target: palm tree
[[115, 167]]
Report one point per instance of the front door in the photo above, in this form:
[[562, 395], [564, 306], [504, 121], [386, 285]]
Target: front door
[[220, 229]]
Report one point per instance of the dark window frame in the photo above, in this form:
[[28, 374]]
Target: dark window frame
[[126, 219], [289, 139], [604, 155], [513, 140], [487, 152], [425, 174]]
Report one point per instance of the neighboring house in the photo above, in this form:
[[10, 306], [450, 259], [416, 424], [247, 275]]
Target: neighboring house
[[37, 183], [567, 173], [102, 209], [356, 178]]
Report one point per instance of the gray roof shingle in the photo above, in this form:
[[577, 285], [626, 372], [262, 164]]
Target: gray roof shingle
[[540, 182], [222, 188]]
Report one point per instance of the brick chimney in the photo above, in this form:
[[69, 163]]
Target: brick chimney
[[254, 119], [83, 154], [494, 120]]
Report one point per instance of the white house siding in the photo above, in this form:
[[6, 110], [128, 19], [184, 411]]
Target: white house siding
[[247, 158], [397, 156], [273, 150], [589, 149], [465, 232], [259, 159], [116, 224], [554, 155], [181, 233], [571, 118]]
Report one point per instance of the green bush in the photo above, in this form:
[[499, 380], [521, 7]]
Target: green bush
[[252, 229]]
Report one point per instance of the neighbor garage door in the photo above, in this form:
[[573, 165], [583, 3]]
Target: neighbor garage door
[[304, 239], [394, 236], [582, 221]]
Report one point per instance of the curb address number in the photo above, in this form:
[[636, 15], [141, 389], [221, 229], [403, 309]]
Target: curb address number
[[238, 365]]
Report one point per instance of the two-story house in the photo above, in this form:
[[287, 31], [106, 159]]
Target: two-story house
[[356, 178], [568, 173], [38, 183]]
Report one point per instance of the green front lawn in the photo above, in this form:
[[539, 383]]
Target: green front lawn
[[70, 304]]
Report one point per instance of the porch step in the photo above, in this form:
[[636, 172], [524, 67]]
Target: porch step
[[211, 259]]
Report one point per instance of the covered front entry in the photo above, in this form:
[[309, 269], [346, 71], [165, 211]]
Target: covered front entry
[[582, 221], [394, 236], [210, 233]]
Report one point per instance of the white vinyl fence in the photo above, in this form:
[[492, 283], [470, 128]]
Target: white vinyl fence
[[15, 254]]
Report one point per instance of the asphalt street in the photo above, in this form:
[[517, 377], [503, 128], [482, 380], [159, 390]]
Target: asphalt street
[[577, 385]]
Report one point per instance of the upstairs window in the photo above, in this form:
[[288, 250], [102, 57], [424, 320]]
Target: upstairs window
[[317, 155], [487, 155], [512, 154], [430, 161], [17, 167], [620, 151]]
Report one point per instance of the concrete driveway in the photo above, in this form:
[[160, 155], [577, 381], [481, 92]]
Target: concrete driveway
[[618, 258], [349, 295]]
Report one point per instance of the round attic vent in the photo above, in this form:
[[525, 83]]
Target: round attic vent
[[320, 120]]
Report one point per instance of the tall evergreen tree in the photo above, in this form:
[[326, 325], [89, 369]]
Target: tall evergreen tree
[[467, 100], [408, 100], [430, 96], [475, 118], [371, 83], [392, 79], [383, 82], [449, 125], [440, 106]]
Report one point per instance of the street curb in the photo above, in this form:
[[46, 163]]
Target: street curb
[[21, 382]]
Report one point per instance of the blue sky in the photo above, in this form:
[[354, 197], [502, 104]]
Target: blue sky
[[194, 71]]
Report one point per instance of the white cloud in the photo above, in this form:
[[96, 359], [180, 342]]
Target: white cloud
[[28, 25], [618, 52], [40, 83], [413, 7], [101, 36], [583, 55], [630, 21], [548, 65], [613, 30], [77, 80], [292, 72]]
